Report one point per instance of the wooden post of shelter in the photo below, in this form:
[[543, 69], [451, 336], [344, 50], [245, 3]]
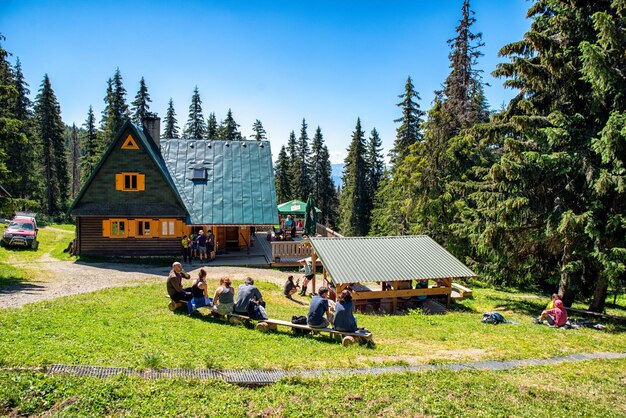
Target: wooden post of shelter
[[314, 263]]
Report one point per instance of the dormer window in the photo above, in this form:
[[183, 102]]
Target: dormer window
[[199, 174]]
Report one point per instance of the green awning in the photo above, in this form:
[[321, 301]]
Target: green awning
[[294, 207], [377, 259]]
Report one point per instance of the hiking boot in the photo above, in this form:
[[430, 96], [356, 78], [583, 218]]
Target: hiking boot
[[303, 291]]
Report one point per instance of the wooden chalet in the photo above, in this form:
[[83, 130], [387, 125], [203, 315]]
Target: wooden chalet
[[146, 193], [389, 271]]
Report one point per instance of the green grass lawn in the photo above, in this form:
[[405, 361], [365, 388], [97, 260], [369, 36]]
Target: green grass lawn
[[131, 327], [586, 389]]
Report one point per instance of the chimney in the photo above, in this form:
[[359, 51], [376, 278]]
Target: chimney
[[152, 124]]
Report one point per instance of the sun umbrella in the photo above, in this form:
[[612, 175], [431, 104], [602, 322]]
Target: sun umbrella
[[310, 216]]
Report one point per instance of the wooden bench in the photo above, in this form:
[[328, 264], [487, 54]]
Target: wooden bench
[[172, 306], [347, 338]]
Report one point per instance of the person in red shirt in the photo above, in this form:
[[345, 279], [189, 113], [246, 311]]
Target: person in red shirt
[[556, 316]]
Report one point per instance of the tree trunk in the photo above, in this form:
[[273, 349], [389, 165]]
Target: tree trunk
[[599, 295], [565, 293]]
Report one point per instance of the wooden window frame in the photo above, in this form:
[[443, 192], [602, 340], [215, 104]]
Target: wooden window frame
[[126, 228], [121, 180], [154, 232]]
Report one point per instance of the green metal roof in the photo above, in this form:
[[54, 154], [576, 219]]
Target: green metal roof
[[374, 259], [239, 185], [294, 207]]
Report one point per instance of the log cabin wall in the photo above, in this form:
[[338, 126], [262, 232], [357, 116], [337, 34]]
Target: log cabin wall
[[91, 242]]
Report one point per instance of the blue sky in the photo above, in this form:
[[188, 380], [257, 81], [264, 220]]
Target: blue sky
[[278, 61]]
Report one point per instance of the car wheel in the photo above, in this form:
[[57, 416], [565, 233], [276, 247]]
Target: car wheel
[[34, 245]]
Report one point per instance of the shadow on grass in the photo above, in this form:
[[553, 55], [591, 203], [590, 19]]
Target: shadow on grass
[[12, 284]]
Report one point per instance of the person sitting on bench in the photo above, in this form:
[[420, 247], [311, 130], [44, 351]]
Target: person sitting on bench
[[249, 299], [344, 313], [318, 308], [224, 297], [175, 286], [200, 292]]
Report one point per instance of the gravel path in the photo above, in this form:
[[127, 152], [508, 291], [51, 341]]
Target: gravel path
[[64, 278]]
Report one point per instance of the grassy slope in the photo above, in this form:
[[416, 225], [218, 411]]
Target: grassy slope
[[131, 326], [582, 390]]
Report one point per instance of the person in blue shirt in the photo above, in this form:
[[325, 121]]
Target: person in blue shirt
[[319, 312], [344, 313]]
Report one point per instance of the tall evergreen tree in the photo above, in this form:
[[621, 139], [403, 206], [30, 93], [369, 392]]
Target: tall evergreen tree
[[212, 127], [259, 131], [353, 199], [10, 127], [228, 129], [322, 180], [196, 126], [282, 178], [51, 137], [409, 132], [89, 145], [121, 106], [292, 153], [141, 104], [375, 167], [546, 213], [302, 165], [74, 155], [23, 182], [171, 124], [115, 111]]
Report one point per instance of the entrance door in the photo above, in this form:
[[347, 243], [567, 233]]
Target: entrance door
[[232, 238]]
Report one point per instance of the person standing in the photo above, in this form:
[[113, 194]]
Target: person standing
[[308, 274], [319, 315], [211, 245], [202, 245], [194, 245], [186, 250], [174, 284]]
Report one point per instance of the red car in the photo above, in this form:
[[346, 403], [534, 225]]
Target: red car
[[22, 231]]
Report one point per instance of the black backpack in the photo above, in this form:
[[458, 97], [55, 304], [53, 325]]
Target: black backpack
[[300, 320]]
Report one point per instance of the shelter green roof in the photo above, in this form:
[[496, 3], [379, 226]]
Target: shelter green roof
[[294, 207], [239, 184], [374, 259]]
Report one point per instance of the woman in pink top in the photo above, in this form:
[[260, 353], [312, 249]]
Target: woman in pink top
[[556, 316]]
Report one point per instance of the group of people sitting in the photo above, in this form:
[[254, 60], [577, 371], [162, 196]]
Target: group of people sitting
[[248, 302], [555, 313]]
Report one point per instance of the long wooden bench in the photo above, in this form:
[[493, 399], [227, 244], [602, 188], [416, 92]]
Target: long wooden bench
[[348, 338]]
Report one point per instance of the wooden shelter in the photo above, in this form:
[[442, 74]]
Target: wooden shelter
[[399, 267]]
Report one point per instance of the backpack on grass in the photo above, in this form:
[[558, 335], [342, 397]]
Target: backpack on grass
[[494, 318]]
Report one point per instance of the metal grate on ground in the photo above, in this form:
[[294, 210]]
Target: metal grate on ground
[[264, 377]]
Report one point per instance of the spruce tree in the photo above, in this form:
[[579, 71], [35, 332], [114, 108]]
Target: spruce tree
[[282, 177], [302, 166], [115, 111], [171, 123], [228, 129], [74, 162], [259, 131], [353, 200], [292, 153], [119, 92], [196, 126], [212, 127], [50, 133], [141, 104], [322, 181], [409, 131], [89, 146], [23, 182], [375, 166], [546, 208]]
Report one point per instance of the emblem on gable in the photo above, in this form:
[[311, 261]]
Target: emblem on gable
[[129, 143]]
